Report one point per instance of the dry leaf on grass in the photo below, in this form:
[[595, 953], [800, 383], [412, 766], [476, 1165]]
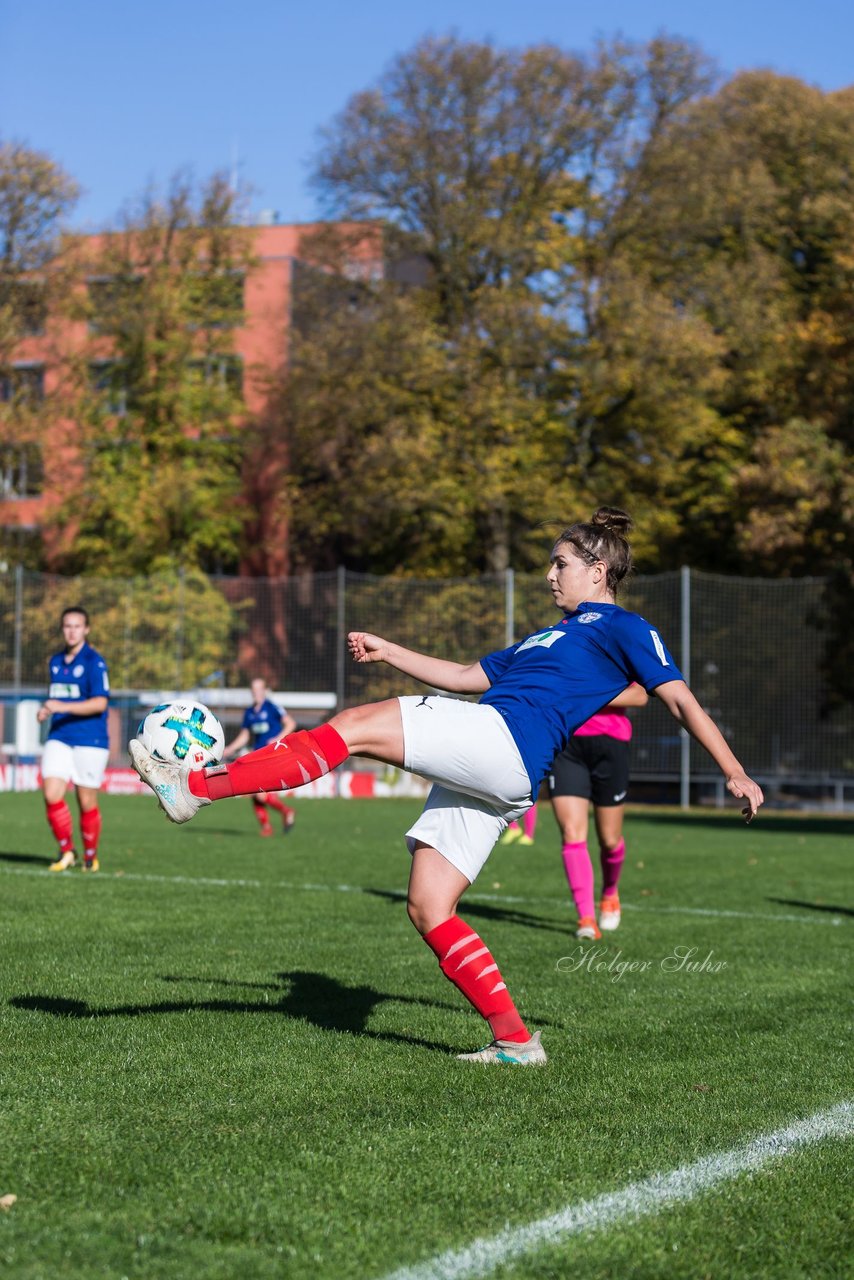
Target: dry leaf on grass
[[6, 1202]]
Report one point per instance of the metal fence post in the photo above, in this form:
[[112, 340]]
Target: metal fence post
[[340, 664], [16, 670], [509, 607], [685, 744]]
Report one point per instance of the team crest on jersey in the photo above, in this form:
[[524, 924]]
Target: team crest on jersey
[[543, 640], [78, 670], [590, 617]]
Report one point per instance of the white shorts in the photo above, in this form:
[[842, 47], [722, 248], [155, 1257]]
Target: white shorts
[[83, 766], [480, 783]]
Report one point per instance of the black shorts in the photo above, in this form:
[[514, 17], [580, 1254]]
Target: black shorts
[[594, 768]]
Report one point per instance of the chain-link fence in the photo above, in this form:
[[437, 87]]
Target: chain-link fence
[[751, 648]]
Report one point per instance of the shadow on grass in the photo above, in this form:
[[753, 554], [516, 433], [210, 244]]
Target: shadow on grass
[[314, 998], [486, 911], [813, 906], [827, 825], [39, 858]]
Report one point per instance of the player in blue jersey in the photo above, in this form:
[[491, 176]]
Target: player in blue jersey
[[77, 746], [486, 759], [263, 722]]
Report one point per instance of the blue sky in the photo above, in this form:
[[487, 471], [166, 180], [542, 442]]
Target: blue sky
[[122, 94]]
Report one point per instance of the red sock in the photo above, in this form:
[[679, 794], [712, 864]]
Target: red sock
[[279, 805], [59, 817], [286, 763], [260, 807], [467, 962], [90, 830]]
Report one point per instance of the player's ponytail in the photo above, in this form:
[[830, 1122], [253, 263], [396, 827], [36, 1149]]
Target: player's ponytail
[[603, 537]]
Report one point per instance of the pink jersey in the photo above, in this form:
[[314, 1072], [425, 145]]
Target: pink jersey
[[608, 724]]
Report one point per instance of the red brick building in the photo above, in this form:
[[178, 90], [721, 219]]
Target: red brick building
[[32, 472]]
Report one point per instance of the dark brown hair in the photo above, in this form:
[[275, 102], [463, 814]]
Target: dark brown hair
[[75, 608], [603, 537]]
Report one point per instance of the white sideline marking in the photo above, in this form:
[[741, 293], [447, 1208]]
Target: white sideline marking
[[500, 898], [637, 1200]]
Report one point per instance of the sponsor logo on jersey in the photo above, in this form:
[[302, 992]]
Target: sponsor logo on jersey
[[261, 726], [544, 640], [659, 647], [590, 617], [59, 689]]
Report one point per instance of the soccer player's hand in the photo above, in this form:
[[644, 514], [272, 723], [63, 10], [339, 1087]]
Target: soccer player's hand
[[365, 647], [746, 789]]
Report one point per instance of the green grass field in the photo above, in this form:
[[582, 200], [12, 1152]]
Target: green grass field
[[232, 1057]]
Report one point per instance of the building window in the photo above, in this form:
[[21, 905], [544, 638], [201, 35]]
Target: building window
[[21, 471], [27, 301], [224, 371], [22, 384], [111, 300], [216, 300], [107, 380]]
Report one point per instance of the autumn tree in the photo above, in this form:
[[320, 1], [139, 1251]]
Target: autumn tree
[[36, 196], [161, 388]]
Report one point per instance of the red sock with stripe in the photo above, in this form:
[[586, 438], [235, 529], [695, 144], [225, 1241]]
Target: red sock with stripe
[[468, 963], [260, 809], [59, 817], [284, 764], [90, 830]]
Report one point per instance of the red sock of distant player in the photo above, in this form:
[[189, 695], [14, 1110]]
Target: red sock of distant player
[[90, 830], [279, 805], [284, 764], [612, 865], [59, 817], [260, 809], [468, 963]]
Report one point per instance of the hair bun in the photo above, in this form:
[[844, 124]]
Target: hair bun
[[612, 518]]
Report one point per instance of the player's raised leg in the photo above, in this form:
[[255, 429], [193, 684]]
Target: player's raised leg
[[373, 730]]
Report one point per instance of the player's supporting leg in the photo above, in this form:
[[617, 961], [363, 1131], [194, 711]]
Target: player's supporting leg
[[62, 826], [259, 807], [288, 815], [435, 888], [90, 831]]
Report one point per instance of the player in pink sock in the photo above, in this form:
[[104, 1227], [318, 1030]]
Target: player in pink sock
[[594, 766], [77, 747], [486, 759], [524, 833], [263, 722]]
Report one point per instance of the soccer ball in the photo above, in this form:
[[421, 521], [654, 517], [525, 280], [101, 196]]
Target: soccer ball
[[183, 733]]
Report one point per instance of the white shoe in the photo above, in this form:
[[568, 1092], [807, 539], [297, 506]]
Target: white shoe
[[609, 913], [169, 782], [528, 1054]]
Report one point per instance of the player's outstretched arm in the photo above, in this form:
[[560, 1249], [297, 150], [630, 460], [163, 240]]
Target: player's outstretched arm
[[455, 677], [685, 708]]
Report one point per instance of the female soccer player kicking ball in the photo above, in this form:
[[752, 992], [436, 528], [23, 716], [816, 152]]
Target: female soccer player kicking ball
[[486, 759]]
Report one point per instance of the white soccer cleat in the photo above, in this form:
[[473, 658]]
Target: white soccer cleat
[[528, 1054], [169, 782], [609, 913]]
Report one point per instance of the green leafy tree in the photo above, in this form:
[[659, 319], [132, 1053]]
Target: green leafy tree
[[158, 481], [36, 196]]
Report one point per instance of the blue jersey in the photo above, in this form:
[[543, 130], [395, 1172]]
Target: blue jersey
[[547, 686], [264, 723], [81, 677]]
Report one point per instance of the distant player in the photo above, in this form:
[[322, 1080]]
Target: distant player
[[263, 722], [594, 766], [77, 746]]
